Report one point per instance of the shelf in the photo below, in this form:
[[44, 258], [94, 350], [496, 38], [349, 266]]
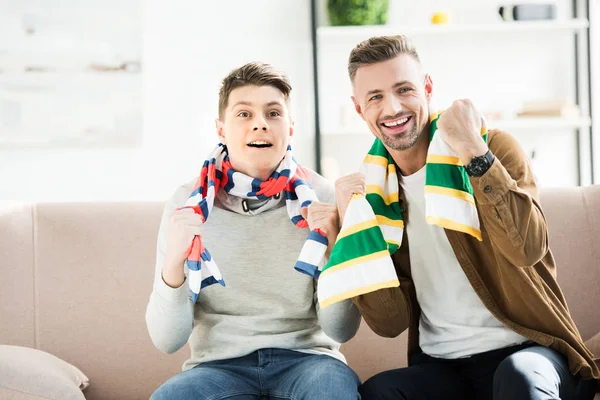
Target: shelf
[[510, 125], [541, 123], [572, 25]]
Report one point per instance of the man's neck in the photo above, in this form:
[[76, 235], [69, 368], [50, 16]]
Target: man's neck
[[412, 160]]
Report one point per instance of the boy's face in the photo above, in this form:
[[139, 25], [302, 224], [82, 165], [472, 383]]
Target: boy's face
[[393, 98], [256, 128]]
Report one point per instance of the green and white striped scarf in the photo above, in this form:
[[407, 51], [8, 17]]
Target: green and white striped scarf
[[360, 261]]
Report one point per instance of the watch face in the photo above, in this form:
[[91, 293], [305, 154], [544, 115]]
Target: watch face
[[478, 166]]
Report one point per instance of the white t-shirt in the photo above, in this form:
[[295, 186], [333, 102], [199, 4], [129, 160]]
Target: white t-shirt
[[454, 322]]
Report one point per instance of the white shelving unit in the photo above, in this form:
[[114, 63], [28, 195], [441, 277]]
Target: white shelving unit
[[359, 32], [557, 46]]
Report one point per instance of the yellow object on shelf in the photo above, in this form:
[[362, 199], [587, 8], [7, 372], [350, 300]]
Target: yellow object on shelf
[[440, 18]]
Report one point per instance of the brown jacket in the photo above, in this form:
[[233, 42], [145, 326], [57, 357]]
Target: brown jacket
[[512, 270]]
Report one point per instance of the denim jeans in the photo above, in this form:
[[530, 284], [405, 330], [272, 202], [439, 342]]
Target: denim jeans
[[265, 374], [524, 372]]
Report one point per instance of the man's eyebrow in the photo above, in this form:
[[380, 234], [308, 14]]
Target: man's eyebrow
[[402, 83], [396, 85], [374, 91]]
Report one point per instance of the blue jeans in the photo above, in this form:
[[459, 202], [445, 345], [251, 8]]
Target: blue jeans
[[264, 374], [524, 372]]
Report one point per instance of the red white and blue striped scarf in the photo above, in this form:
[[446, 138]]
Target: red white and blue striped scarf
[[216, 173]]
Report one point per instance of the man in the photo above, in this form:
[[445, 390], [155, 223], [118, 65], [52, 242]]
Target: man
[[477, 287], [259, 333]]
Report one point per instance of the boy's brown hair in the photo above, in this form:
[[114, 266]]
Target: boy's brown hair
[[254, 73], [378, 49]]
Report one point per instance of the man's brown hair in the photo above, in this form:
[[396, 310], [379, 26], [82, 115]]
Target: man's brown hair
[[254, 73], [378, 49]]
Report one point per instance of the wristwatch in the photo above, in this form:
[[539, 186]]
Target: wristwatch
[[480, 164]]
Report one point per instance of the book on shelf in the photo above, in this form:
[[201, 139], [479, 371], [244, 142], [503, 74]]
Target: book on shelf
[[549, 108]]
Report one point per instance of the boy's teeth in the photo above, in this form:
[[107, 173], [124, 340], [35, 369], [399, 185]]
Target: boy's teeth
[[399, 122], [259, 142]]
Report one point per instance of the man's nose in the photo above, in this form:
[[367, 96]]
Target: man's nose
[[392, 106]]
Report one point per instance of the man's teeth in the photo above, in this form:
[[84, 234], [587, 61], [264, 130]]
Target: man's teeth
[[396, 123]]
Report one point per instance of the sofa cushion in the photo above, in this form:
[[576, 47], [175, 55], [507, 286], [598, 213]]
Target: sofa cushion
[[27, 373]]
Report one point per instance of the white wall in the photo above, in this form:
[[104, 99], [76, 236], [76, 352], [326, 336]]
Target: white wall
[[188, 47]]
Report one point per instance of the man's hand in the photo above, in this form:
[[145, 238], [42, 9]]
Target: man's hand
[[460, 127], [323, 216], [345, 188], [183, 225]]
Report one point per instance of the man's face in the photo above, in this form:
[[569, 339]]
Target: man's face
[[393, 98], [256, 128]]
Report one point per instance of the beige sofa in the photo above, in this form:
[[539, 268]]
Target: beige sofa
[[75, 280]]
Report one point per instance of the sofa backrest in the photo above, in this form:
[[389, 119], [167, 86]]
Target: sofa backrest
[[573, 216], [80, 278], [76, 280]]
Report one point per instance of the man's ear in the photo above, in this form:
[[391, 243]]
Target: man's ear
[[220, 130], [357, 107], [291, 128], [428, 85]]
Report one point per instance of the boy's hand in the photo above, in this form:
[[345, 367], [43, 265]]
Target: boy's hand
[[323, 216], [345, 188], [183, 225]]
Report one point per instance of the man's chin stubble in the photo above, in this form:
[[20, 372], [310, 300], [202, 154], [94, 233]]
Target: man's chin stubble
[[404, 143]]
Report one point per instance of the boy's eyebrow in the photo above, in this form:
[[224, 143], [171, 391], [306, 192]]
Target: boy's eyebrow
[[249, 104], [242, 103]]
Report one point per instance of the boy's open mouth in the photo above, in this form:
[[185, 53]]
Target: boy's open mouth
[[260, 144]]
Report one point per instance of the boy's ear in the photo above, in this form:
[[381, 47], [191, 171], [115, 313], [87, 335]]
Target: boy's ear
[[291, 128], [220, 130]]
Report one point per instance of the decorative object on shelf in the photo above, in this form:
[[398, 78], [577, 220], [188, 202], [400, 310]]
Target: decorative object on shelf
[[549, 108], [494, 115], [357, 12], [440, 18], [528, 12]]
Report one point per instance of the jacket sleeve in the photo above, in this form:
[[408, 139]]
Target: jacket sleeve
[[508, 203], [386, 311]]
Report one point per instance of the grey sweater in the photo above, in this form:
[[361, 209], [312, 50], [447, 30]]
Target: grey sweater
[[266, 303]]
